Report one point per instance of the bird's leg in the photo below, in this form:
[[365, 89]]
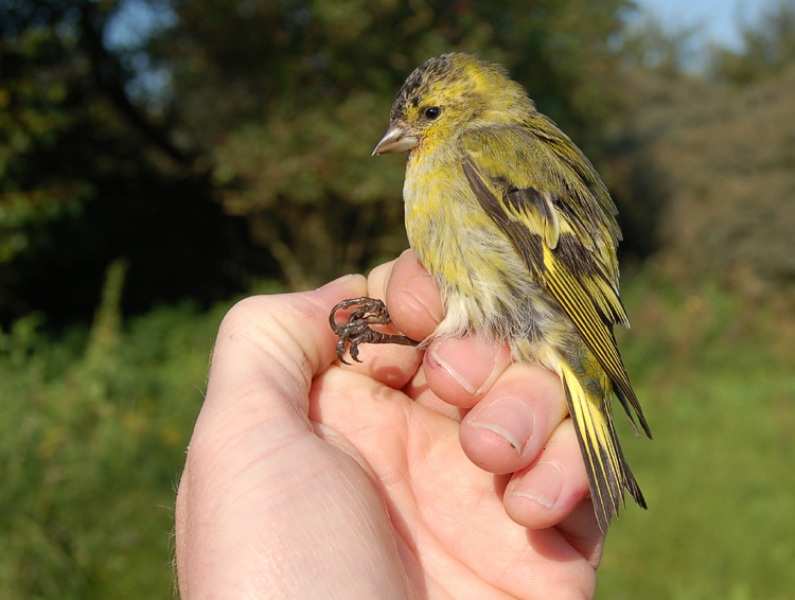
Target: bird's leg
[[357, 330]]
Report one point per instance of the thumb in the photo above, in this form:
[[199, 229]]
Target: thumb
[[267, 351]]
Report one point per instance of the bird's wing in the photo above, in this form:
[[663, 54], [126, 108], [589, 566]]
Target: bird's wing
[[549, 206]]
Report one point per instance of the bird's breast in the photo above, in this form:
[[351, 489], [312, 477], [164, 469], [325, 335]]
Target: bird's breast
[[484, 283]]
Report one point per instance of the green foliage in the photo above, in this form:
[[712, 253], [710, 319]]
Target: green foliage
[[36, 112], [92, 434]]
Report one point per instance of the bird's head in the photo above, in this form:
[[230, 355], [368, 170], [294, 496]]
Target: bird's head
[[445, 96]]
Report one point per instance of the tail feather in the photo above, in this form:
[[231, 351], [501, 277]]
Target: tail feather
[[608, 472]]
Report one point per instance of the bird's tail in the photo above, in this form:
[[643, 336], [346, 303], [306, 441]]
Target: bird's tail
[[608, 472]]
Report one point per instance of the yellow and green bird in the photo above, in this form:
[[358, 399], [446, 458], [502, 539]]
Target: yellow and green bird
[[520, 234]]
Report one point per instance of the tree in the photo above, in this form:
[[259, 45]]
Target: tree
[[88, 175]]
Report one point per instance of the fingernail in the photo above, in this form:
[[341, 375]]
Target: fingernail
[[542, 484], [510, 418], [478, 359]]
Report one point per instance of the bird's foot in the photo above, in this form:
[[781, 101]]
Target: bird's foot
[[356, 330]]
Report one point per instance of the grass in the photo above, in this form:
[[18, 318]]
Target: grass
[[93, 428], [718, 476]]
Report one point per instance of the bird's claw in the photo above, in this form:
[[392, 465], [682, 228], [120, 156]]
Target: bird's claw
[[356, 330]]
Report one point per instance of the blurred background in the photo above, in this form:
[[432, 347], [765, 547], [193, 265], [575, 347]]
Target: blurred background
[[161, 158]]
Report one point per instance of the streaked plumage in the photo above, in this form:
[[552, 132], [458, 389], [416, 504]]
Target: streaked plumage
[[520, 234]]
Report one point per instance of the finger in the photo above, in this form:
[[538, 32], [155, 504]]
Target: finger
[[549, 490], [418, 390], [582, 531], [461, 370], [182, 548], [458, 371], [266, 353], [508, 428], [391, 364], [413, 298], [267, 350]]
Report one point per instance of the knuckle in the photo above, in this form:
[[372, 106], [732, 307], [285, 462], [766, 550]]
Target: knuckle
[[243, 312]]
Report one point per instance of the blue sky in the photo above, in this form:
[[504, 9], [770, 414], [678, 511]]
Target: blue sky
[[720, 18]]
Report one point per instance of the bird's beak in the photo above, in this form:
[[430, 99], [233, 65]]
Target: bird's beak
[[395, 140]]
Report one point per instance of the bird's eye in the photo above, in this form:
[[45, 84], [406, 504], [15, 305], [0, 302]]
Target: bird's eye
[[432, 112]]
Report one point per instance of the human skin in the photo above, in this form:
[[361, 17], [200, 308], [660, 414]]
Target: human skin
[[449, 473]]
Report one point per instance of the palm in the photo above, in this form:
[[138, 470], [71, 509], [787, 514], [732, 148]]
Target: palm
[[454, 534]]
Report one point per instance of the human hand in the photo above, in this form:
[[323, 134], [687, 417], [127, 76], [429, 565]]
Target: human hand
[[307, 479]]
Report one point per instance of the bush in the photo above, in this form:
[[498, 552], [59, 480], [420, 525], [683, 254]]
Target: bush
[[93, 431]]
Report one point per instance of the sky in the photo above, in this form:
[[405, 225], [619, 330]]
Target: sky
[[720, 18]]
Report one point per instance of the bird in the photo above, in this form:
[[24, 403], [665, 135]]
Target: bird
[[520, 234]]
